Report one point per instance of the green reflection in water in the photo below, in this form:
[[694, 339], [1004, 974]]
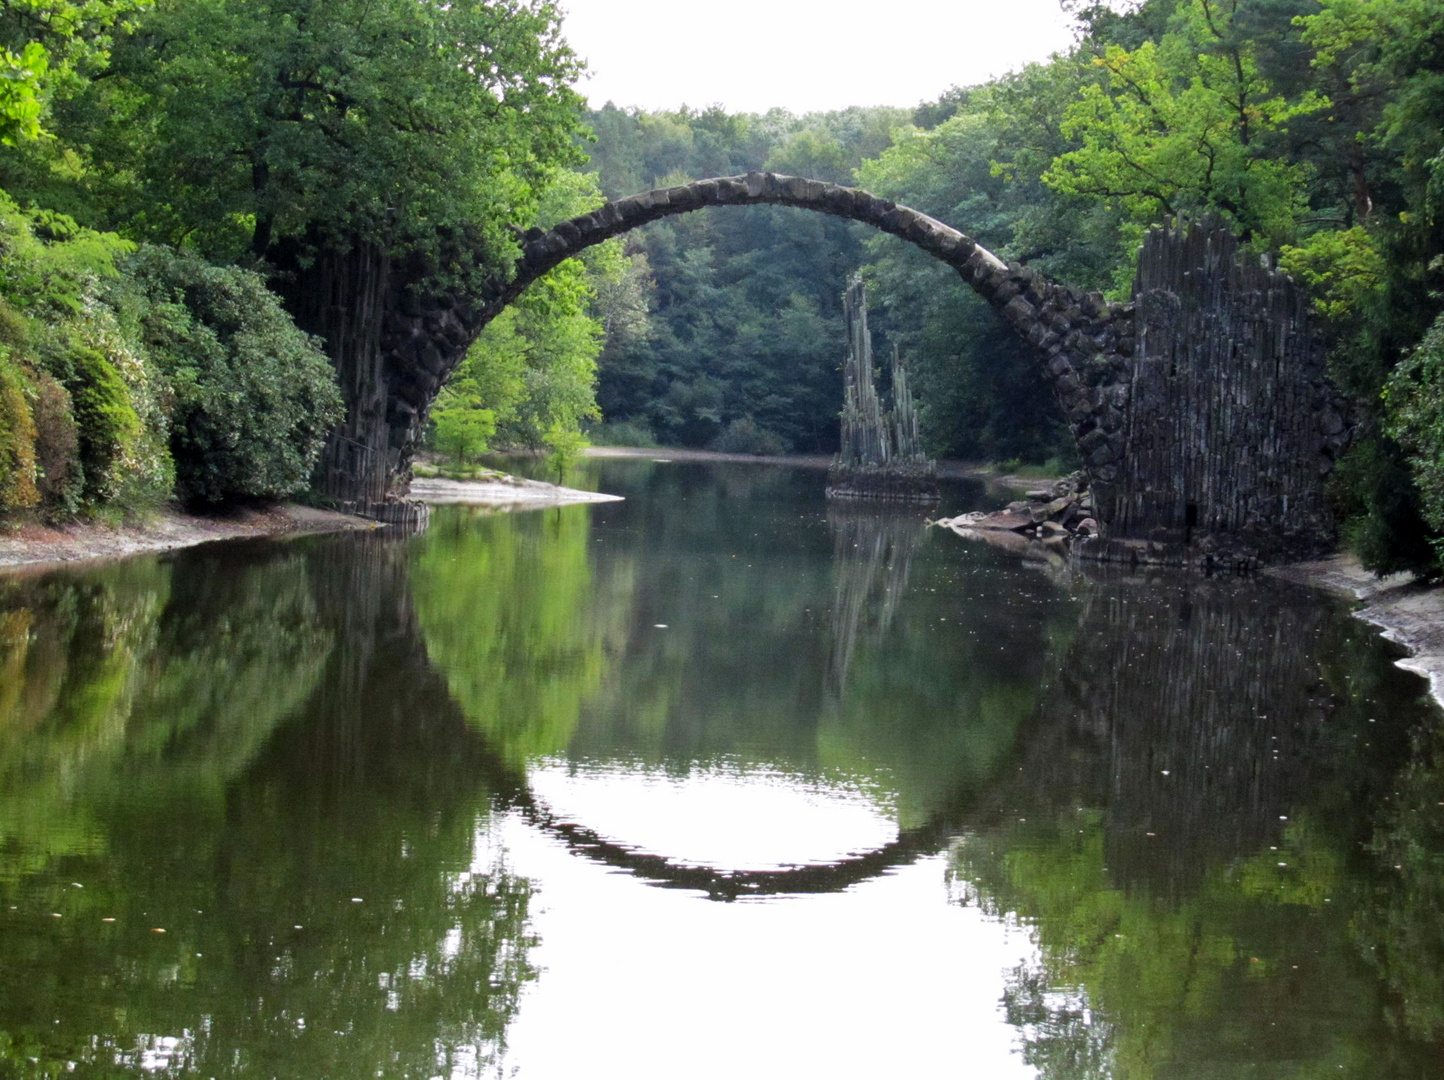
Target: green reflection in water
[[1400, 931], [240, 824], [511, 614], [124, 683], [70, 653], [244, 740], [724, 614], [1187, 838]]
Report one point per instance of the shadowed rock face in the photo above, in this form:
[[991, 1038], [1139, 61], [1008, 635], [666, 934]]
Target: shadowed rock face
[[1206, 439], [1232, 424]]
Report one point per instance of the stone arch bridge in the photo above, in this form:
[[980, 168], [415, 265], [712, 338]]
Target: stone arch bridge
[[1200, 409]]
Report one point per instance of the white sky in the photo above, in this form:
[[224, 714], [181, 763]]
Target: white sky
[[803, 57]]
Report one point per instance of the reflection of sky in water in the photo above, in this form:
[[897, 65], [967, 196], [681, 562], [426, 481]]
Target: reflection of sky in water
[[643, 982], [357, 823], [728, 818]]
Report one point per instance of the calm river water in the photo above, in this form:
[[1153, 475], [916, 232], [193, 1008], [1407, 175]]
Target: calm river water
[[718, 781]]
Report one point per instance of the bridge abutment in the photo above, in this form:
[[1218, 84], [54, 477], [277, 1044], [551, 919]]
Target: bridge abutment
[[1227, 424]]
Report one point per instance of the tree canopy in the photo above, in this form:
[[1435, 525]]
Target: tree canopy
[[232, 125]]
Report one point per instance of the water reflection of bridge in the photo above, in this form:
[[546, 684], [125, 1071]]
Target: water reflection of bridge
[[1192, 715], [1194, 711]]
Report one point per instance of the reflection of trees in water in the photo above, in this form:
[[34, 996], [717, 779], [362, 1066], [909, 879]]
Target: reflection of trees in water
[[250, 860], [872, 558], [1400, 929], [130, 681], [378, 794], [514, 617], [1184, 836], [1064, 1038], [352, 766]]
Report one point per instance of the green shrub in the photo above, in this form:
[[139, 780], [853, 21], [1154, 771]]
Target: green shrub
[[747, 436], [252, 398], [17, 440], [1414, 416], [109, 428], [17, 332], [57, 446], [99, 433], [1377, 502]]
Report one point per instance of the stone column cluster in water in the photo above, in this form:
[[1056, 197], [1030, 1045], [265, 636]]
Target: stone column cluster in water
[[881, 455]]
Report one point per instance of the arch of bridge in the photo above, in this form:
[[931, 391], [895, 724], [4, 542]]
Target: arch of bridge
[[1082, 341]]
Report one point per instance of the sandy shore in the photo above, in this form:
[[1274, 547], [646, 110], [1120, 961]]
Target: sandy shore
[[36, 545], [1406, 612], [504, 493]]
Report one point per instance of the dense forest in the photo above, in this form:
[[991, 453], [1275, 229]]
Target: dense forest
[[190, 186], [1313, 129]]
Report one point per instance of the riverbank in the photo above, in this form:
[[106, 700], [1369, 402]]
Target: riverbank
[[33, 544], [1406, 612]]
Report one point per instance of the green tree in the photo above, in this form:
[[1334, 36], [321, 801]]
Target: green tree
[[369, 155], [251, 398], [253, 124], [744, 305], [1382, 63], [48, 46], [463, 425], [980, 393], [1414, 399], [1188, 124], [529, 378]]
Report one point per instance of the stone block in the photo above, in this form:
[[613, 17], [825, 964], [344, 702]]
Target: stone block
[[731, 190], [631, 209], [1005, 289], [1105, 453], [1018, 311]]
